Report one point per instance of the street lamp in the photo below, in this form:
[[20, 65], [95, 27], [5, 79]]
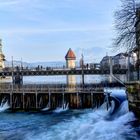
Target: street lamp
[[83, 70], [21, 64], [12, 73]]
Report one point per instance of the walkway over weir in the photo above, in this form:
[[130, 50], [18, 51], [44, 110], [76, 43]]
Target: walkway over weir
[[54, 72], [37, 98]]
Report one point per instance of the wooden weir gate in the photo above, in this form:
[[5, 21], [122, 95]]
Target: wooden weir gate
[[35, 99]]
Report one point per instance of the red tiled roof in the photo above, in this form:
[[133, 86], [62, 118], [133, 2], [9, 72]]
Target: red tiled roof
[[70, 54]]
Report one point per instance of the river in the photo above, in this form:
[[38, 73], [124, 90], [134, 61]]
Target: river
[[94, 124], [87, 124]]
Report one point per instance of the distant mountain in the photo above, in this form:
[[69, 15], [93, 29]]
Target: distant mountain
[[35, 64], [48, 64], [16, 63]]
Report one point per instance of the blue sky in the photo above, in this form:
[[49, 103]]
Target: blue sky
[[43, 30]]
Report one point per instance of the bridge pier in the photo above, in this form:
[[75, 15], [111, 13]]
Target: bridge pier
[[17, 79]]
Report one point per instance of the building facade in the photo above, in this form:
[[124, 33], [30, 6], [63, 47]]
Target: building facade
[[120, 60], [2, 57], [105, 62]]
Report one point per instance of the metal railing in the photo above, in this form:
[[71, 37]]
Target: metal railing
[[46, 88]]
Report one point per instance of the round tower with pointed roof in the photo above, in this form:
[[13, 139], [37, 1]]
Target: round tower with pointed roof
[[70, 59], [2, 57]]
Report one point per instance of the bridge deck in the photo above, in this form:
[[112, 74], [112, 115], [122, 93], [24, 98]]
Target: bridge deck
[[61, 72]]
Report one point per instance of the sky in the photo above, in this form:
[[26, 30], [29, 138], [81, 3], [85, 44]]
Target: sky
[[44, 30]]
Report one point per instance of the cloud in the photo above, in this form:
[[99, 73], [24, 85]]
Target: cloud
[[44, 30], [9, 2], [57, 23]]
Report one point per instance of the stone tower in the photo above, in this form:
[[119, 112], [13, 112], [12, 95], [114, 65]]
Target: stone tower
[[2, 57], [70, 59], [71, 63]]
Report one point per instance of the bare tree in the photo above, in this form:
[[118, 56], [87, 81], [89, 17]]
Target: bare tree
[[128, 28], [125, 20]]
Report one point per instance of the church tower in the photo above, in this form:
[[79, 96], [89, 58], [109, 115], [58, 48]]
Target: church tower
[[2, 57]]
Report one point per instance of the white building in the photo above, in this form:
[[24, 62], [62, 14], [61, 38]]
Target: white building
[[2, 57], [120, 60], [105, 62]]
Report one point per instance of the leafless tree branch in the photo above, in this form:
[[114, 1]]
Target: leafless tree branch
[[125, 20]]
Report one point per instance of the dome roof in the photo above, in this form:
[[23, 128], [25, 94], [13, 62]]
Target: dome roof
[[70, 55]]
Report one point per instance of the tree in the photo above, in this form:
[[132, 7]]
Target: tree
[[125, 20], [128, 30]]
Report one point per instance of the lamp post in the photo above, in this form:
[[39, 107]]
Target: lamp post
[[83, 71], [21, 64], [12, 73]]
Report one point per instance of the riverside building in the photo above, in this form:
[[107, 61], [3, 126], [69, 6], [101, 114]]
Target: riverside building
[[2, 57]]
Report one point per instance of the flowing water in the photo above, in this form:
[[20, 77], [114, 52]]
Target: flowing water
[[88, 124], [63, 108], [4, 106], [65, 124]]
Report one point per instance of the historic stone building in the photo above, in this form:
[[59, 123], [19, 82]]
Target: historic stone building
[[2, 57], [71, 64], [105, 62], [70, 59]]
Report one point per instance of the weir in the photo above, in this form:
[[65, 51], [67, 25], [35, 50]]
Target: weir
[[35, 99]]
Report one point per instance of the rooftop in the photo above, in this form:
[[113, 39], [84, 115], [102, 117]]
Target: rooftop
[[70, 55]]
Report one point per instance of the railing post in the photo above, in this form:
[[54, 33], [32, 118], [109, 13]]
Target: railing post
[[91, 99], [36, 100], [49, 99], [63, 100], [83, 81], [128, 67], [77, 97], [11, 99], [23, 100], [12, 73]]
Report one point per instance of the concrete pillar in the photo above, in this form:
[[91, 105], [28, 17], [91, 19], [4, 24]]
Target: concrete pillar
[[23, 100], [17, 79]]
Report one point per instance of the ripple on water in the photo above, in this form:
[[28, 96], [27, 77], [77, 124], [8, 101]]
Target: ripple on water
[[69, 125]]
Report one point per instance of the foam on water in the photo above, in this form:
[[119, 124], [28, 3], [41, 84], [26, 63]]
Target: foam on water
[[46, 108], [89, 124], [116, 91], [92, 125], [64, 108], [4, 106]]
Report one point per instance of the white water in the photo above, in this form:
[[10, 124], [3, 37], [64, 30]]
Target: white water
[[64, 108], [4, 106], [46, 108], [92, 125], [116, 91]]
